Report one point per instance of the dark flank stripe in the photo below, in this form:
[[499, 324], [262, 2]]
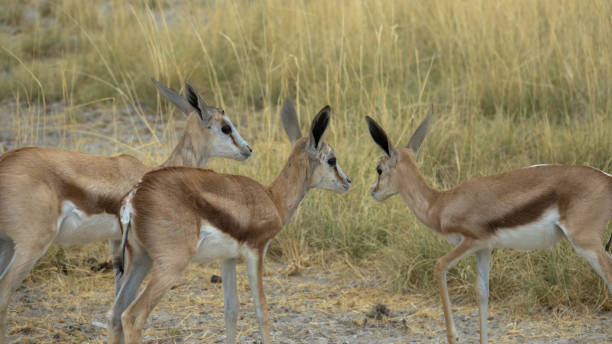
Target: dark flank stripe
[[526, 213], [222, 220], [206, 193], [86, 201]]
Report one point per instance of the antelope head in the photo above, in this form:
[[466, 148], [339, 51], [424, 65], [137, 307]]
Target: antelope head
[[209, 131], [324, 171], [391, 174]]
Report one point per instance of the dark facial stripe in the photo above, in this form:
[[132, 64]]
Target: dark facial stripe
[[338, 174], [231, 135], [526, 213], [234, 141]]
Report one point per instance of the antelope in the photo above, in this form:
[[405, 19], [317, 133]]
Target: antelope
[[179, 214], [53, 196], [529, 208]]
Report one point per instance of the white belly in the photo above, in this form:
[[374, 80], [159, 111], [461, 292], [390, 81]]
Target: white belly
[[542, 233], [74, 227], [216, 245]]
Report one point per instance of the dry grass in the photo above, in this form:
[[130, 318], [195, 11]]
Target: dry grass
[[335, 302], [514, 83]]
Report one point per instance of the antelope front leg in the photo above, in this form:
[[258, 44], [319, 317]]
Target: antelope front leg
[[443, 264], [483, 260], [255, 272], [230, 298]]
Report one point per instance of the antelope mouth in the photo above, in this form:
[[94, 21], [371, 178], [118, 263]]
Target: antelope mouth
[[347, 185], [245, 152], [245, 155], [344, 187], [374, 195]]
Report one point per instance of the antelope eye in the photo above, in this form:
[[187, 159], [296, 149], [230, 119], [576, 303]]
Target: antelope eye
[[226, 129], [379, 170], [332, 161]]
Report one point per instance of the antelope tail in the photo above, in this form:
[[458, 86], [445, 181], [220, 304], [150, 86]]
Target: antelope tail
[[126, 225]]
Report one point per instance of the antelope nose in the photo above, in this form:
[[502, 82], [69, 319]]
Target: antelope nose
[[250, 149], [348, 179]]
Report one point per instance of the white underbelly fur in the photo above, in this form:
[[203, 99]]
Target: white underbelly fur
[[74, 227], [543, 233], [216, 245]]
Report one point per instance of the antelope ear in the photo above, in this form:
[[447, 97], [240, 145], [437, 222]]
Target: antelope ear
[[197, 102], [290, 121], [419, 134], [380, 137], [318, 126], [175, 99]]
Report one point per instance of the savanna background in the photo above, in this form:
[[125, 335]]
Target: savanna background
[[513, 83]]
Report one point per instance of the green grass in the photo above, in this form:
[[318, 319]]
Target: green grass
[[514, 83]]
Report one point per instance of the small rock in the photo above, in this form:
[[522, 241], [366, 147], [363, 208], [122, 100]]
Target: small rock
[[378, 312], [215, 279]]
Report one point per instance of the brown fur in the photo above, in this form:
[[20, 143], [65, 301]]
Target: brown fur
[[236, 205], [480, 207], [488, 212], [525, 213], [519, 197], [94, 184], [170, 206], [34, 182]]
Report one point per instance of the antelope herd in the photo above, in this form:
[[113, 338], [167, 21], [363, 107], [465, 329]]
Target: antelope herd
[[159, 220]]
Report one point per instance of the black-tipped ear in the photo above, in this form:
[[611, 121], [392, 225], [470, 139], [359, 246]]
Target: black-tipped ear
[[419, 134], [379, 136], [173, 97], [193, 99], [319, 124], [290, 121]]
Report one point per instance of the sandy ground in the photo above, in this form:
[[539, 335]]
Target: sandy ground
[[312, 306]]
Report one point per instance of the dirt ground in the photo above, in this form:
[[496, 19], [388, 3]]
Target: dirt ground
[[336, 305], [312, 306]]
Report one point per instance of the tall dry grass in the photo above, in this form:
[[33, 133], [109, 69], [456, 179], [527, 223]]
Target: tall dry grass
[[514, 83]]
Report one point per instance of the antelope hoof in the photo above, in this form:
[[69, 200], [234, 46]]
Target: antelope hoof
[[452, 338]]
